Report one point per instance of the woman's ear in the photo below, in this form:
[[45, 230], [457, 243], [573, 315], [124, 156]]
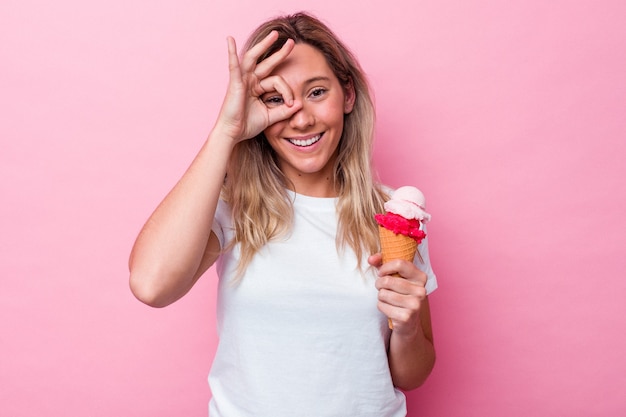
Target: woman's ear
[[349, 97]]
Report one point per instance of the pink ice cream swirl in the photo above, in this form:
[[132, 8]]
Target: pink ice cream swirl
[[405, 213], [401, 226]]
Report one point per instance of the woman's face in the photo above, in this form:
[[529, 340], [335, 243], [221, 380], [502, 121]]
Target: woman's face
[[306, 144]]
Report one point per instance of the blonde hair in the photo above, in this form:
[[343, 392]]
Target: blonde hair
[[255, 186]]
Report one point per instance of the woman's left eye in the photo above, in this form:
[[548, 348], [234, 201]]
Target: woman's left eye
[[318, 92]]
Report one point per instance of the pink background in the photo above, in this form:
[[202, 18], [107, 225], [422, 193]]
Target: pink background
[[509, 115]]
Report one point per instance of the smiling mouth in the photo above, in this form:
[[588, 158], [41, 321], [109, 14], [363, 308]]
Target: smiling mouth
[[305, 142]]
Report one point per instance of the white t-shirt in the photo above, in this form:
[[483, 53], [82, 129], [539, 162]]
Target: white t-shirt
[[301, 334]]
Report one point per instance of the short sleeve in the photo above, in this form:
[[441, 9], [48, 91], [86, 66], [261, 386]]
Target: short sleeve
[[431, 283], [222, 222]]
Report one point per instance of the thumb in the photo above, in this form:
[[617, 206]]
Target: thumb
[[375, 260]]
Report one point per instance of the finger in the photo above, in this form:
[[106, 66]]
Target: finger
[[398, 316], [265, 67], [250, 58], [394, 266], [400, 285], [283, 112], [375, 260], [405, 269], [233, 60], [277, 84], [408, 302], [235, 84]]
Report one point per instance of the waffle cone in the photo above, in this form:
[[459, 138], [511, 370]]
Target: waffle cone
[[396, 246]]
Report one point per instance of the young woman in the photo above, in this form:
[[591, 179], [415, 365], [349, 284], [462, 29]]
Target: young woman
[[281, 195]]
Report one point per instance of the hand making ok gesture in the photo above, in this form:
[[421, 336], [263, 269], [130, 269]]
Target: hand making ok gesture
[[243, 115]]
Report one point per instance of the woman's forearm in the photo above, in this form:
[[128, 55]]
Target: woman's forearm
[[170, 248], [412, 354]]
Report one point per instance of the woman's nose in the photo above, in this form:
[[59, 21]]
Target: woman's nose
[[302, 119]]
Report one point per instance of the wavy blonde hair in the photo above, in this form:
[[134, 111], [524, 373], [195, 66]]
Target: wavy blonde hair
[[255, 186]]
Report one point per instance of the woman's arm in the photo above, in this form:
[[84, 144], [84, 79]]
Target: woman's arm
[[412, 356], [176, 245], [403, 299]]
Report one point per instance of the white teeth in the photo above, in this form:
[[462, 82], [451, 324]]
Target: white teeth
[[306, 142]]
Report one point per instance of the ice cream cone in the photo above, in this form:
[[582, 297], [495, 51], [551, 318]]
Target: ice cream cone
[[400, 227], [396, 246]]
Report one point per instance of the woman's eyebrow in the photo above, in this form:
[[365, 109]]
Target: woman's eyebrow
[[316, 79]]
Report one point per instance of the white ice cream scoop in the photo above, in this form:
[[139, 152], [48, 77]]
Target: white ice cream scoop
[[408, 202]]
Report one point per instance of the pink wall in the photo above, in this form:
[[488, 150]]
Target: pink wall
[[509, 115]]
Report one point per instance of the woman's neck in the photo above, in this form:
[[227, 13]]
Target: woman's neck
[[313, 184], [305, 184]]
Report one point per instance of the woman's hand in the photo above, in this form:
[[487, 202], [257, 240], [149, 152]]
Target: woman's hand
[[402, 298], [401, 293], [243, 114]]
